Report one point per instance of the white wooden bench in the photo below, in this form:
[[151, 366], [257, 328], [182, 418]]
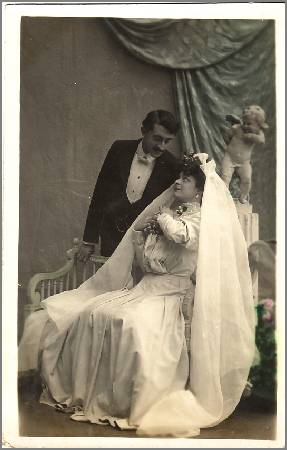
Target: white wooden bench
[[69, 276]]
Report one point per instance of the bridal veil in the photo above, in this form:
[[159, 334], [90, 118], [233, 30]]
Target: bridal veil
[[222, 340]]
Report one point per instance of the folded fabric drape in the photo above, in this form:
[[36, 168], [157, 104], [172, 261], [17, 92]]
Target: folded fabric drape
[[205, 96], [184, 43]]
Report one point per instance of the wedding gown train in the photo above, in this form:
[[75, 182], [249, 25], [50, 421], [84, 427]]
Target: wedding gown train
[[126, 349]]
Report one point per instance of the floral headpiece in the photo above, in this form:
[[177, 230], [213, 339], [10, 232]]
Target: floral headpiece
[[190, 160], [198, 160]]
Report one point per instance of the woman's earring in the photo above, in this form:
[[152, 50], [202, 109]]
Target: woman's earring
[[196, 195]]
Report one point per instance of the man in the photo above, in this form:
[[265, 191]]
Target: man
[[134, 173]]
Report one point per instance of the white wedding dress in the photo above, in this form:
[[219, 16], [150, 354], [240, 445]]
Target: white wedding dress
[[126, 350]]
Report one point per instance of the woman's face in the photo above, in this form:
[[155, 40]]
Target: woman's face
[[185, 189]]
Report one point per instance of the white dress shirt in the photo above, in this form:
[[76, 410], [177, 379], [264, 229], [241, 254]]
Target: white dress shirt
[[140, 172]]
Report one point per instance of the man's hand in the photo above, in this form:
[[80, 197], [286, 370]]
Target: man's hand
[[86, 250]]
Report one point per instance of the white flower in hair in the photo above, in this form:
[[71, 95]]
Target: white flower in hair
[[203, 157]]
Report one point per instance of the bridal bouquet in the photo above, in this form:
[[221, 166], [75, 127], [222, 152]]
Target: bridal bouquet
[[153, 227]]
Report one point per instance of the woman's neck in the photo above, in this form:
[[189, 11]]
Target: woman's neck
[[176, 203]]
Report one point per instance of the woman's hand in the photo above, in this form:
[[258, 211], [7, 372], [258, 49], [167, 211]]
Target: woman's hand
[[143, 224], [150, 222], [153, 227]]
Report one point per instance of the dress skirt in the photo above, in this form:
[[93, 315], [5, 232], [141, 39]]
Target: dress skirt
[[124, 352]]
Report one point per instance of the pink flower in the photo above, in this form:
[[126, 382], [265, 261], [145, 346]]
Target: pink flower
[[268, 309], [267, 316], [268, 303]]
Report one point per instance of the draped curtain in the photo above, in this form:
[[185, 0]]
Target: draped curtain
[[184, 44], [204, 96], [218, 66]]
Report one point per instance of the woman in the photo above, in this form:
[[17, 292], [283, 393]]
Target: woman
[[114, 350]]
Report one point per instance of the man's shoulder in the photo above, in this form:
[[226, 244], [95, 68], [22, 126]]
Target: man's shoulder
[[125, 144], [170, 156], [171, 160]]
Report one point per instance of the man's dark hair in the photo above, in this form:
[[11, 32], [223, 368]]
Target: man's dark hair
[[163, 118]]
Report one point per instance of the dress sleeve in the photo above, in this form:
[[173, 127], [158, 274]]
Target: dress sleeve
[[183, 231]]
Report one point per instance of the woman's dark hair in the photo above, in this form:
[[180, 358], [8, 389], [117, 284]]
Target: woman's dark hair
[[163, 118], [190, 167]]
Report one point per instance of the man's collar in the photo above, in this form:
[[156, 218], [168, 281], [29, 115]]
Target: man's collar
[[145, 157]]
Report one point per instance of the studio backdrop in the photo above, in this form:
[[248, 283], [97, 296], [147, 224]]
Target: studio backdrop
[[86, 82]]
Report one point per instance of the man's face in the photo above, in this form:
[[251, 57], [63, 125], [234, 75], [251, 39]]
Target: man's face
[[156, 141]]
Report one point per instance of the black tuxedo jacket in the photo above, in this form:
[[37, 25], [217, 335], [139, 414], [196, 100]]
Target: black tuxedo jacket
[[110, 213]]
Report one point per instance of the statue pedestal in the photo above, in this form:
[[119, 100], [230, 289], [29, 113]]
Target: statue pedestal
[[250, 226], [249, 221]]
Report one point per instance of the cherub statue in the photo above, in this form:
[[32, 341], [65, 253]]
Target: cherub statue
[[246, 132]]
